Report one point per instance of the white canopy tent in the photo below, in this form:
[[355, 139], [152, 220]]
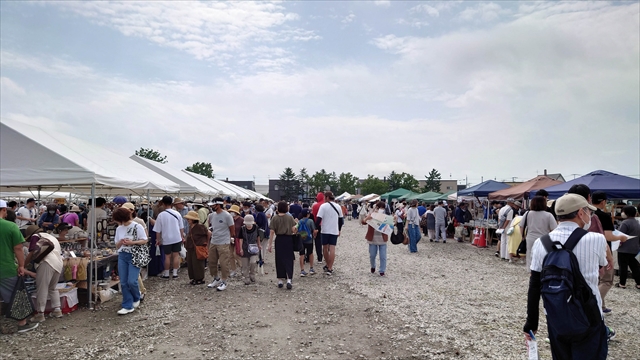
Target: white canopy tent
[[188, 185], [343, 196], [225, 188], [33, 158]]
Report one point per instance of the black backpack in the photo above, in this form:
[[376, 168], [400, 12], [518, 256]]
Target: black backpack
[[569, 303]]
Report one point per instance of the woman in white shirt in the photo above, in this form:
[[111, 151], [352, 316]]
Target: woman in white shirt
[[128, 233]]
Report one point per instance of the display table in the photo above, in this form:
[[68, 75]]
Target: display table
[[68, 300]]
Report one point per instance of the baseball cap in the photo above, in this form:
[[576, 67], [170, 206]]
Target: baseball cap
[[3, 204], [30, 200], [304, 212], [569, 203], [598, 196]]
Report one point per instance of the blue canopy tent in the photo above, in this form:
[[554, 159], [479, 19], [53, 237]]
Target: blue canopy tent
[[614, 185], [483, 189]]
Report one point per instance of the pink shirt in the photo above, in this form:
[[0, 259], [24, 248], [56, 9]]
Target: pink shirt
[[70, 218]]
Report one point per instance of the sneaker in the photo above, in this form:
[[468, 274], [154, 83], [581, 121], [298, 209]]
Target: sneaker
[[38, 318], [223, 285], [27, 327], [214, 283], [329, 272], [444, 241], [430, 240], [437, 241], [497, 254], [175, 276], [381, 273], [124, 311], [610, 334], [57, 313], [142, 297], [280, 284], [373, 270], [606, 311], [289, 286], [136, 304], [303, 273], [312, 272]]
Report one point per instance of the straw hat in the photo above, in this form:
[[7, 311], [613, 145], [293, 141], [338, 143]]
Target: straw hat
[[178, 201], [129, 206], [192, 215], [235, 209], [75, 208], [144, 202]]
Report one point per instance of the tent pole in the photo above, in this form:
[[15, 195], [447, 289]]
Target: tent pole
[[91, 245]]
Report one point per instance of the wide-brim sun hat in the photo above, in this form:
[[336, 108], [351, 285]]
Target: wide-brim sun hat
[[192, 215]]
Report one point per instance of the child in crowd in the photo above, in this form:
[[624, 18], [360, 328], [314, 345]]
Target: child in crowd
[[307, 232], [250, 248]]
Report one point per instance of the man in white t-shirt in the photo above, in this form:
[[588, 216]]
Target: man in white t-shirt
[[573, 212], [27, 215], [331, 219], [169, 235]]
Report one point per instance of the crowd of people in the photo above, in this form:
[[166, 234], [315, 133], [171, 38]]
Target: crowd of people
[[232, 238]]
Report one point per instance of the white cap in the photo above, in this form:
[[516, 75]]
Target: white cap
[[3, 204]]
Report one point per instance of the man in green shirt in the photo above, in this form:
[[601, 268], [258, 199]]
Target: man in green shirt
[[11, 246]]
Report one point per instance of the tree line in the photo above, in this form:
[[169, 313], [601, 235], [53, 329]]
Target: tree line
[[202, 168], [304, 185]]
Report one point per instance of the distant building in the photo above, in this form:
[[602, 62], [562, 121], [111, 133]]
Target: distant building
[[249, 185], [262, 189]]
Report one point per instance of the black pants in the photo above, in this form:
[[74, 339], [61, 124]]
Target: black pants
[[625, 261], [284, 256], [318, 243], [592, 347]]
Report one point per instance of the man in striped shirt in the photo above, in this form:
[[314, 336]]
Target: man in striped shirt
[[573, 211]]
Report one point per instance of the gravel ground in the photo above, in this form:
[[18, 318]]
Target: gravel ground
[[447, 301]]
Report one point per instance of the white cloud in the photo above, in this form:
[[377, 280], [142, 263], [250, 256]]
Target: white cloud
[[349, 18], [206, 30], [9, 87], [483, 12], [383, 3]]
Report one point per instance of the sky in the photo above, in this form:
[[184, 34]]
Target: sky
[[476, 90]]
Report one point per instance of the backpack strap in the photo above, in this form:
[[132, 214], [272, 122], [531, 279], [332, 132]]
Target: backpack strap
[[576, 235], [548, 244], [571, 242]]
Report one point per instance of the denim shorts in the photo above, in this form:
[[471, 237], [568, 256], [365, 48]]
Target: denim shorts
[[6, 288], [328, 239]]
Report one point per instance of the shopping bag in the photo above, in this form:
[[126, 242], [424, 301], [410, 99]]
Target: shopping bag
[[20, 306]]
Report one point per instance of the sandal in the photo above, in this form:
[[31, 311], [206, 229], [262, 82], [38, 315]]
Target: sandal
[[621, 286]]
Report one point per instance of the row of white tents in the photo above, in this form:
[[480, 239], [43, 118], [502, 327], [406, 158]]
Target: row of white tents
[[35, 160]]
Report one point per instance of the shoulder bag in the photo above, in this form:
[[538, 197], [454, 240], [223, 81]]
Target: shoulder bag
[[522, 248], [139, 253], [202, 251]]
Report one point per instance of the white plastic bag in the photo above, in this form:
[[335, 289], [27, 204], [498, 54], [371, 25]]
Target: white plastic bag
[[157, 250], [183, 252], [532, 347]]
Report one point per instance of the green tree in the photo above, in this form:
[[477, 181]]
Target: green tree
[[319, 181], [347, 182], [433, 181], [288, 184], [402, 180], [152, 155], [303, 183], [333, 183], [373, 185], [204, 169]]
